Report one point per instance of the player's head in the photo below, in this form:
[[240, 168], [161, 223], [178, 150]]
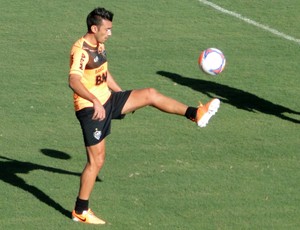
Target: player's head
[[97, 16]]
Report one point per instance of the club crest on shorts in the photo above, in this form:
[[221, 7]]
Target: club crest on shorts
[[97, 134]]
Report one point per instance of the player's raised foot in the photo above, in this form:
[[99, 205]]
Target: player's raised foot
[[205, 112], [87, 217]]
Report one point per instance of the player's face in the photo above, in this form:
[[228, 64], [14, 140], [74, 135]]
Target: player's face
[[103, 31]]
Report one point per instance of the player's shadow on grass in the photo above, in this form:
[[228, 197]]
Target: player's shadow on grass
[[235, 97], [11, 168]]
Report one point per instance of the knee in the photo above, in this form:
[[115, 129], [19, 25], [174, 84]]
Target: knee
[[97, 162], [152, 94], [152, 91], [95, 167]]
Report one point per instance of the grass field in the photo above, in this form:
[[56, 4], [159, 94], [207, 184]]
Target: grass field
[[162, 172]]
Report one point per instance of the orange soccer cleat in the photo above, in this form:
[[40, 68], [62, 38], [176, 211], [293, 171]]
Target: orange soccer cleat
[[205, 112], [87, 217]]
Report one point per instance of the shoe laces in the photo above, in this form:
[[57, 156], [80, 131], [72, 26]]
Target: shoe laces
[[200, 104]]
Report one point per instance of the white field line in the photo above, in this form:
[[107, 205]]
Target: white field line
[[249, 21]]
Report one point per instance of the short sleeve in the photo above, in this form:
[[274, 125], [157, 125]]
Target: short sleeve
[[78, 60]]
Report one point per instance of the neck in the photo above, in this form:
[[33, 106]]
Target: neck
[[90, 38]]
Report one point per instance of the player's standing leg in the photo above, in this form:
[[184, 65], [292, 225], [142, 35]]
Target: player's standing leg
[[95, 161]]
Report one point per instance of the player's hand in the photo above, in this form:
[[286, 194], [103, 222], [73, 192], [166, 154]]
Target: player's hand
[[99, 111]]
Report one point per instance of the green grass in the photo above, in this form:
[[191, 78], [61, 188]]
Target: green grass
[[162, 172]]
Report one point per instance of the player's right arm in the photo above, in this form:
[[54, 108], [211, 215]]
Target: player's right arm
[[78, 88], [79, 59]]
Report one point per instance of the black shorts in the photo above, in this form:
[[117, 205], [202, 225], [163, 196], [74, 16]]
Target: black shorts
[[94, 131]]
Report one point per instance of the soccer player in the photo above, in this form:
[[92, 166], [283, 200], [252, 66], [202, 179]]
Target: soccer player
[[98, 99]]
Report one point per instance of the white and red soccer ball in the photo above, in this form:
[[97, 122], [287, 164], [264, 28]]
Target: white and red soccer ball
[[212, 61]]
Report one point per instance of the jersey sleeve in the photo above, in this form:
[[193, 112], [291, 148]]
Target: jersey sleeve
[[78, 60]]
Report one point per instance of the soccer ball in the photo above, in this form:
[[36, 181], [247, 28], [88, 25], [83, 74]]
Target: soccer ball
[[212, 61]]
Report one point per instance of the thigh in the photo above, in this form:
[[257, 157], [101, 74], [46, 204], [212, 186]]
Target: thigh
[[93, 130], [118, 100], [96, 153], [138, 98]]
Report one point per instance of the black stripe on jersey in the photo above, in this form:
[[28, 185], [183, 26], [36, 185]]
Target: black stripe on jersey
[[96, 59]]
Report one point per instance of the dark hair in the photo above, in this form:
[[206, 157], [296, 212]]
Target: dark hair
[[96, 16]]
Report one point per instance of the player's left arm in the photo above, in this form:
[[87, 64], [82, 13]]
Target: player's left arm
[[112, 84]]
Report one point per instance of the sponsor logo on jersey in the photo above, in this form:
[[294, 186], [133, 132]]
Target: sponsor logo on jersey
[[99, 69], [81, 61]]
